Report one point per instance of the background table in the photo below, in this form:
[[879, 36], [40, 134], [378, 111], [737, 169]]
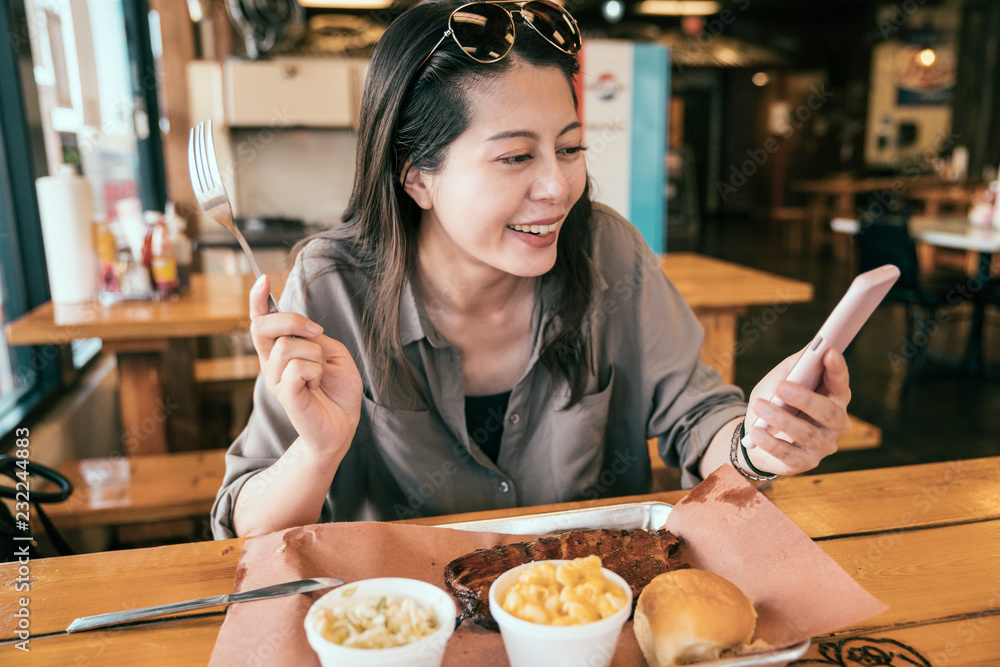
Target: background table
[[837, 197], [141, 334], [154, 346], [923, 539], [957, 233], [720, 292]]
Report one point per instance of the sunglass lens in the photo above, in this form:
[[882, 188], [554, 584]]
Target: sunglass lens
[[484, 31], [554, 24]]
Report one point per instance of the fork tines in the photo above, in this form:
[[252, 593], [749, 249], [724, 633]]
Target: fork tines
[[206, 178]]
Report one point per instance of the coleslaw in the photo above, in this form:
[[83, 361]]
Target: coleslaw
[[377, 622]]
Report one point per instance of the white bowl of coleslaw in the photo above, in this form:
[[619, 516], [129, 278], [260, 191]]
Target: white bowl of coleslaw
[[386, 622]]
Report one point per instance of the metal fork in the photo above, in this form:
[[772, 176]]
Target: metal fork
[[211, 193]]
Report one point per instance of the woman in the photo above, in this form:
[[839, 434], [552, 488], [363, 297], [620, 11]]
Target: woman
[[477, 333]]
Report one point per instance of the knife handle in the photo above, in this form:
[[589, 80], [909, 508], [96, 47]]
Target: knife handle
[[101, 620]]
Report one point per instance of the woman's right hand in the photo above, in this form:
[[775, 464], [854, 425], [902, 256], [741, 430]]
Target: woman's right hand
[[312, 376]]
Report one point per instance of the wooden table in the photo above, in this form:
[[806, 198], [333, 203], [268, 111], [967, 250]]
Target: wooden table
[[944, 231], [140, 333], [835, 197], [943, 198], [154, 392], [923, 539], [719, 292]]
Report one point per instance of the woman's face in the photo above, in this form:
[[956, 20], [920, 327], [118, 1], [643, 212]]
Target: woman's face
[[508, 182]]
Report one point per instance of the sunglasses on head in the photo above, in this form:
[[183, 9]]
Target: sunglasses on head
[[485, 30]]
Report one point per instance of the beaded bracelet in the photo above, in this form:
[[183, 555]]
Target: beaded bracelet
[[734, 458]]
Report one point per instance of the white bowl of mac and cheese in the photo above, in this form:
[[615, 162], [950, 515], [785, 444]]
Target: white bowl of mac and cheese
[[560, 612], [386, 622]]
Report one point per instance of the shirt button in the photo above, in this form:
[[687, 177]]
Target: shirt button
[[504, 487], [515, 418]]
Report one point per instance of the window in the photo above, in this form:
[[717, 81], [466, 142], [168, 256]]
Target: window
[[13, 385], [70, 93], [88, 116], [27, 375]]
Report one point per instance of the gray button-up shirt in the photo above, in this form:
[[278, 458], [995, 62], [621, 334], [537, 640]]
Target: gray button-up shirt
[[647, 380]]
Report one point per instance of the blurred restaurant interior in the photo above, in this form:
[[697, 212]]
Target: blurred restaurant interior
[[773, 126]]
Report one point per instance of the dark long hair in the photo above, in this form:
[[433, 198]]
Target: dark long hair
[[411, 116]]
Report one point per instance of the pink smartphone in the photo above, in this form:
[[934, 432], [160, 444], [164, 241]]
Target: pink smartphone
[[855, 307]]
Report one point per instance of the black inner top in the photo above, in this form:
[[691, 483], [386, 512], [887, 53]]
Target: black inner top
[[484, 417]]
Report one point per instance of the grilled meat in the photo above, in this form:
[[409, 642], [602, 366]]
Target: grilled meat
[[635, 555]]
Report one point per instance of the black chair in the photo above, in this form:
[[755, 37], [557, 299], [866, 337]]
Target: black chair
[[885, 239], [14, 528], [992, 300]]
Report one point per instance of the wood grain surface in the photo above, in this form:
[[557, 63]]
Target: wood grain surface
[[139, 489], [922, 538]]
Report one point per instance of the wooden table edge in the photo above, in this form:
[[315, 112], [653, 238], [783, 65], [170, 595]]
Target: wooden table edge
[[227, 553]]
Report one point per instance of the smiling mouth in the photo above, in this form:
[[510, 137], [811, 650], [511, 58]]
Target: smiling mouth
[[537, 230]]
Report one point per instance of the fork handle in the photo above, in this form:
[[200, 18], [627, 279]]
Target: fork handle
[[272, 305]]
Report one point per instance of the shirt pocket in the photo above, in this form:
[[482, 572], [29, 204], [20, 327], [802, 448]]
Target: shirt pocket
[[413, 456], [567, 455]]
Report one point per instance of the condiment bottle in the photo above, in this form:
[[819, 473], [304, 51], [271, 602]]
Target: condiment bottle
[[149, 218], [182, 247], [131, 225], [133, 277], [164, 262], [107, 251]]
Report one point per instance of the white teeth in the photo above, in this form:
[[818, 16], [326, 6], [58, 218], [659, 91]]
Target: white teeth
[[541, 230]]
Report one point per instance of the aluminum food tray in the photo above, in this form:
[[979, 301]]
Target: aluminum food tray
[[649, 515]]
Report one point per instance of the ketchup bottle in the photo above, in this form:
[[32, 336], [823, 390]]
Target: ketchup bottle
[[149, 218]]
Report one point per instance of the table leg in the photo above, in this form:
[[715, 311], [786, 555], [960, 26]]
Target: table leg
[[144, 411], [818, 215], [974, 344], [719, 349], [842, 244], [181, 391]]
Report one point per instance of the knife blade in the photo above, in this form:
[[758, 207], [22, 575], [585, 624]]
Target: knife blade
[[287, 588]]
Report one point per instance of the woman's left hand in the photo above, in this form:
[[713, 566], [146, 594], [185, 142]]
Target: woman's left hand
[[814, 431]]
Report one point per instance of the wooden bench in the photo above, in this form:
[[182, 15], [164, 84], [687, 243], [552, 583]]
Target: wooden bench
[[159, 495], [135, 490], [224, 370]]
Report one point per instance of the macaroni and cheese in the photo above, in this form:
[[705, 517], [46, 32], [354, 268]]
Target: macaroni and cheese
[[570, 593]]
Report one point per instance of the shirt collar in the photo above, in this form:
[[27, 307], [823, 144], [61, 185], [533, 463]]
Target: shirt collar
[[415, 324]]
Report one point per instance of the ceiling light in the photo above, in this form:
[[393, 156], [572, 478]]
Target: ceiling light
[[679, 7], [613, 10], [346, 4]]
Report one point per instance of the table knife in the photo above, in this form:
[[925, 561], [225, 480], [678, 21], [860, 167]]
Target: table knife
[[114, 618]]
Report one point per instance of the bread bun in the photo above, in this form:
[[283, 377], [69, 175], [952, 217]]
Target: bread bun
[[690, 615]]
